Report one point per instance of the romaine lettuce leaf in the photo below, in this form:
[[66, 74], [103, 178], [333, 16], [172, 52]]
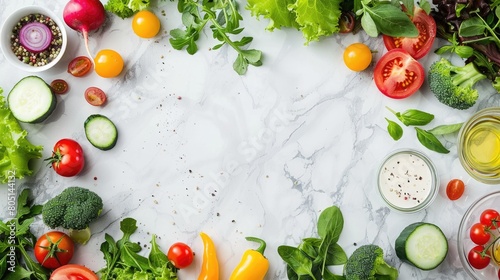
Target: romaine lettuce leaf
[[15, 149]]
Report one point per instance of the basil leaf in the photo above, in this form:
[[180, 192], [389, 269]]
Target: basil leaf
[[392, 21], [394, 129], [409, 5], [430, 141], [415, 117], [464, 51], [444, 49], [369, 25], [446, 129], [298, 261], [473, 26], [426, 6]]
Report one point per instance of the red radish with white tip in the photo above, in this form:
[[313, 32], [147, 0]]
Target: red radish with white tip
[[84, 16]]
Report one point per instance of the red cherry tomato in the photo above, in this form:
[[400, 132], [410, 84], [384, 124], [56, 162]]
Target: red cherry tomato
[[479, 234], [455, 189], [490, 218], [417, 47], [59, 86], [80, 66], [67, 158], [398, 75], [73, 271], [95, 96], [180, 255], [477, 259], [54, 249]]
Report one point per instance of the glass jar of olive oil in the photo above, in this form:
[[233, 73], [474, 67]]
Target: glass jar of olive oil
[[479, 145]]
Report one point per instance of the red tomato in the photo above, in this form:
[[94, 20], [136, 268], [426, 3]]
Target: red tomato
[[419, 46], [477, 258], [499, 274], [67, 158], [54, 249], [95, 96], [59, 86], [455, 189], [490, 218], [398, 75], [479, 234], [180, 255], [73, 272], [80, 66]]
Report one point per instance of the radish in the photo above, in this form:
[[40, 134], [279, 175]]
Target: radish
[[84, 16]]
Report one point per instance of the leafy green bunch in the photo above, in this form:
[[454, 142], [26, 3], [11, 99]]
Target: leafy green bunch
[[224, 20]]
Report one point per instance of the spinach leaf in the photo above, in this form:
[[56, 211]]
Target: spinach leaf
[[390, 20], [298, 261], [330, 223], [394, 129], [430, 141]]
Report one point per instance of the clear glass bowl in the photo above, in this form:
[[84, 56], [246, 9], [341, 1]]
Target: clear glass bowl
[[465, 244], [407, 181], [479, 146]]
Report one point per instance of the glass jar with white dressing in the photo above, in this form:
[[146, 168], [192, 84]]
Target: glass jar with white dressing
[[407, 181]]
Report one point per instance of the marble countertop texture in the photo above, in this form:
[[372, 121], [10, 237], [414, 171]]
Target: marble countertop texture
[[201, 148]]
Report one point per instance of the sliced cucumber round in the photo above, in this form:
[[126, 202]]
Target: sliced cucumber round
[[31, 100], [101, 132], [423, 245]]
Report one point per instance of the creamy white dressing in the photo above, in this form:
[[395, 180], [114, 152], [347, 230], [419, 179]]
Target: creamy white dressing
[[405, 180]]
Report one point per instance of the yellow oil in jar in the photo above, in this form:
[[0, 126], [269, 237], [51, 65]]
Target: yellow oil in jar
[[481, 147]]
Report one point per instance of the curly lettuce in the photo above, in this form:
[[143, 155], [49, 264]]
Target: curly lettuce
[[315, 18], [15, 149], [126, 8]]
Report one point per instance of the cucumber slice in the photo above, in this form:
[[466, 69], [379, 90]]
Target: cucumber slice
[[101, 132], [423, 245], [31, 100]]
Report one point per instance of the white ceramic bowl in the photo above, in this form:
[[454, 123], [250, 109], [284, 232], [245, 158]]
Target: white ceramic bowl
[[6, 32]]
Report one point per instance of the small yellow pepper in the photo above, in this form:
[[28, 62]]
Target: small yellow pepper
[[210, 264], [253, 264]]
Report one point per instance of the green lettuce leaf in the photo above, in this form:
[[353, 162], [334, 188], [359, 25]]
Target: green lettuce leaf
[[15, 149], [275, 10], [126, 8]]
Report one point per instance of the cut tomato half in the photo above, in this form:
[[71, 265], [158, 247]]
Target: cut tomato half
[[419, 46], [73, 271], [398, 75]]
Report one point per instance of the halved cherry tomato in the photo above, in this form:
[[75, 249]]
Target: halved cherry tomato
[[477, 259], [479, 234], [455, 189], [180, 255], [59, 86], [54, 249], [108, 63], [79, 66], [145, 24], [95, 96], [73, 271], [490, 218], [398, 75], [419, 46], [67, 158], [347, 22], [357, 57]]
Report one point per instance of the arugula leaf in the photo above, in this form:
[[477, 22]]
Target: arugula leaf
[[430, 141]]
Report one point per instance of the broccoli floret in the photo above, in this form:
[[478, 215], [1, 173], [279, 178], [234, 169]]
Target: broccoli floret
[[74, 209], [452, 85], [367, 263], [496, 84]]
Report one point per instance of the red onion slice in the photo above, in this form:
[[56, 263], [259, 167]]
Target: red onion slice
[[35, 37]]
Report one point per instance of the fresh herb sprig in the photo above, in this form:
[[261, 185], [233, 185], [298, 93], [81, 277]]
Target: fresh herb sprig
[[20, 266], [427, 138], [312, 257], [124, 262], [224, 20]]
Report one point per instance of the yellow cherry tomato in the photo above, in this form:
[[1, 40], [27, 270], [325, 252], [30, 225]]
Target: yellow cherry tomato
[[357, 57], [145, 24], [108, 63]]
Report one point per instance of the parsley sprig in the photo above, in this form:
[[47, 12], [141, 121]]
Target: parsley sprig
[[224, 20]]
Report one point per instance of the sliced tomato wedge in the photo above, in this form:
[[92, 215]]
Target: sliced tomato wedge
[[417, 47], [73, 271], [398, 75]]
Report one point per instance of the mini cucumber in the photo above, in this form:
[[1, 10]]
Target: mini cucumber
[[423, 245], [31, 100], [101, 132]]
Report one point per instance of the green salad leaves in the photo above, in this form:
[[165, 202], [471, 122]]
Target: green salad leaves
[[15, 149], [126, 8]]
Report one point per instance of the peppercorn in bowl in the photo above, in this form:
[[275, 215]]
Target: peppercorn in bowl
[[33, 39]]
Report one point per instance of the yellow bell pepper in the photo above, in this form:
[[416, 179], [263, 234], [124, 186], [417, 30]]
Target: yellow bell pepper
[[210, 264], [253, 264]]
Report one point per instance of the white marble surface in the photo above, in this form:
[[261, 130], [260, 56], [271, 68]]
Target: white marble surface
[[203, 149]]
